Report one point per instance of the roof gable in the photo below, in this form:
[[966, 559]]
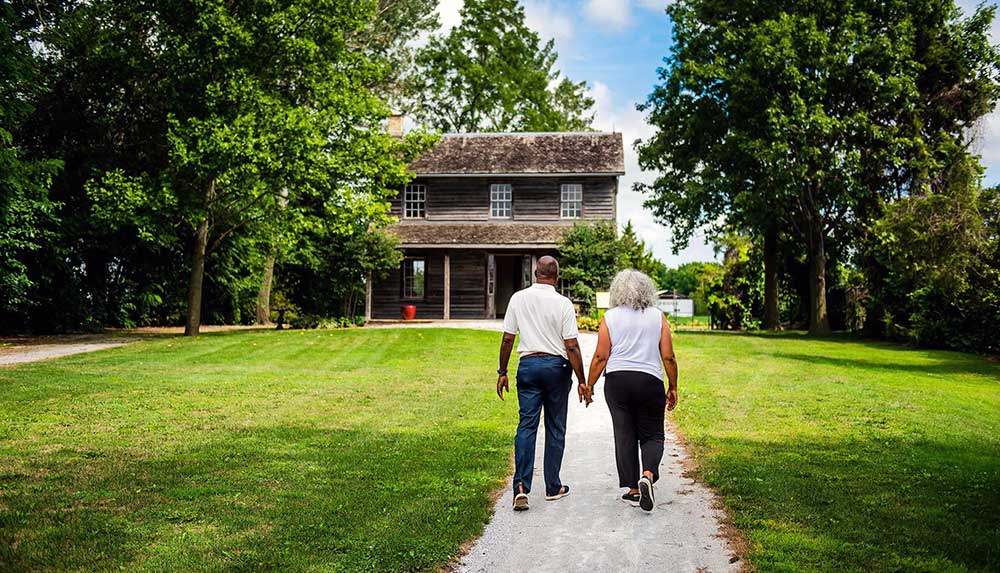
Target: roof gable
[[524, 153]]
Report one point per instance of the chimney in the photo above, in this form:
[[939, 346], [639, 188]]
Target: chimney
[[395, 127]]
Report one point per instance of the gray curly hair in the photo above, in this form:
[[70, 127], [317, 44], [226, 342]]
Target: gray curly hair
[[633, 289]]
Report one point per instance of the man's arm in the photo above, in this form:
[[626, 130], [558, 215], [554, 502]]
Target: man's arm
[[576, 361], [669, 363], [506, 346]]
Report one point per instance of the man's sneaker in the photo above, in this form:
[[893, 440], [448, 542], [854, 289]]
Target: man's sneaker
[[563, 492], [646, 500], [521, 502], [631, 498]]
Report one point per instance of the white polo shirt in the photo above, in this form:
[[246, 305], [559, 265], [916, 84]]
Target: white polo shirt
[[542, 318]]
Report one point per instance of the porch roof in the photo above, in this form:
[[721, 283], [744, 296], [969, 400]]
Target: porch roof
[[577, 153], [502, 235]]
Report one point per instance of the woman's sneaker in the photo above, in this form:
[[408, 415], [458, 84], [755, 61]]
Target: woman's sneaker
[[646, 499], [563, 492], [631, 498]]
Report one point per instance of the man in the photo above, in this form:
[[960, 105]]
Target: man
[[548, 347]]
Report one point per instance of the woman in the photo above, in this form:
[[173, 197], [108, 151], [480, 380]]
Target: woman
[[634, 348]]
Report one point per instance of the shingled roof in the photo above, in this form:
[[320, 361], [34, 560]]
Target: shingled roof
[[440, 234], [524, 153]]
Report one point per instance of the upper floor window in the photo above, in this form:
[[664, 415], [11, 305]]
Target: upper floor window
[[571, 200], [501, 198], [414, 201], [413, 278]]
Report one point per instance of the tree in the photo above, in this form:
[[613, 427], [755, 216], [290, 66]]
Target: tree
[[265, 105], [775, 113], [26, 212], [942, 251], [492, 73], [592, 253], [635, 254]]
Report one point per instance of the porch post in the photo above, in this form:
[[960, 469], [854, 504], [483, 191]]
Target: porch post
[[447, 287], [368, 298], [491, 275]]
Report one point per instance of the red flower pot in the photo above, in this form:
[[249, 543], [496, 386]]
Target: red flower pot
[[409, 311]]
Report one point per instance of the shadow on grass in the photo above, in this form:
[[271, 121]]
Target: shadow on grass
[[278, 498], [865, 505], [941, 363]]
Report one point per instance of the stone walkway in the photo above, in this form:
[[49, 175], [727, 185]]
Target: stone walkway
[[20, 351], [593, 529]]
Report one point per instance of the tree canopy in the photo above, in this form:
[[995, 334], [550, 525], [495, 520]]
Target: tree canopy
[[810, 117], [493, 73]]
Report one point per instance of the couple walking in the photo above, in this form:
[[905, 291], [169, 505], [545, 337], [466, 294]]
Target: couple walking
[[634, 348]]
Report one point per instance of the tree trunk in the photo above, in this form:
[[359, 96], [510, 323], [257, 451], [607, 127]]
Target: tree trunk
[[264, 295], [193, 324], [771, 317], [819, 321]]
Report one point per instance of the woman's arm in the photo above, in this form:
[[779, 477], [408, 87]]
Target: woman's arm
[[669, 362], [600, 359]]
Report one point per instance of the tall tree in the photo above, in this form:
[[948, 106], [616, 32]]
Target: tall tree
[[492, 73], [26, 212], [775, 112], [265, 104]]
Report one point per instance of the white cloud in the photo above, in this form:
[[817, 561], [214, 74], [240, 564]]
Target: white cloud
[[631, 123], [611, 12], [448, 13], [549, 22], [987, 133], [658, 5]]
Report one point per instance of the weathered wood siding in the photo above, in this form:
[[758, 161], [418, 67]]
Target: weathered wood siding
[[386, 298], [468, 284], [534, 198]]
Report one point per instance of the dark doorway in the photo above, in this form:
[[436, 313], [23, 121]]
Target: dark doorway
[[509, 280]]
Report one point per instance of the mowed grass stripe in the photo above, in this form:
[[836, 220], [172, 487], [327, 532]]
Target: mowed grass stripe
[[343, 451], [838, 455]]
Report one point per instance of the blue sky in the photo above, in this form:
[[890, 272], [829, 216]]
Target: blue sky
[[616, 47]]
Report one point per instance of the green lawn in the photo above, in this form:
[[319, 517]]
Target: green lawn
[[378, 450], [324, 450], [842, 456]]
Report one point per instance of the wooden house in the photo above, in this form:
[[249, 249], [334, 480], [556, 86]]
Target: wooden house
[[481, 210]]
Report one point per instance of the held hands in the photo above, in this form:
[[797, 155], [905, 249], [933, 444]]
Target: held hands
[[502, 385], [671, 399], [586, 393]]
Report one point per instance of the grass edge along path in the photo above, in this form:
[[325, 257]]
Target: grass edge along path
[[323, 450], [833, 454]]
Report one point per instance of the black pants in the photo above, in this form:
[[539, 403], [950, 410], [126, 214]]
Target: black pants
[[637, 402]]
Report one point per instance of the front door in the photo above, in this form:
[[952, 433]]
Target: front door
[[509, 279]]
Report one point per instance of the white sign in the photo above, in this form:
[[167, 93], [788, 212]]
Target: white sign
[[603, 300], [676, 306]]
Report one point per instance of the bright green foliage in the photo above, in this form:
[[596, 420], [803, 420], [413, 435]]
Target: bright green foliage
[[734, 296], [26, 212], [810, 115], [692, 280], [492, 73], [279, 451], [211, 127], [328, 273], [592, 253], [842, 456], [942, 251], [635, 254]]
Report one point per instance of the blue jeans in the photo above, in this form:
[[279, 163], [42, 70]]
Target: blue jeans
[[543, 382]]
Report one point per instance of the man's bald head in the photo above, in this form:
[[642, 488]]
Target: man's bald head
[[547, 269]]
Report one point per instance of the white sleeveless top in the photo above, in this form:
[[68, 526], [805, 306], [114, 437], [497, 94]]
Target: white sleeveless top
[[635, 340]]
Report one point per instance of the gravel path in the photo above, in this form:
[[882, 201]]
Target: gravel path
[[592, 529], [19, 354]]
